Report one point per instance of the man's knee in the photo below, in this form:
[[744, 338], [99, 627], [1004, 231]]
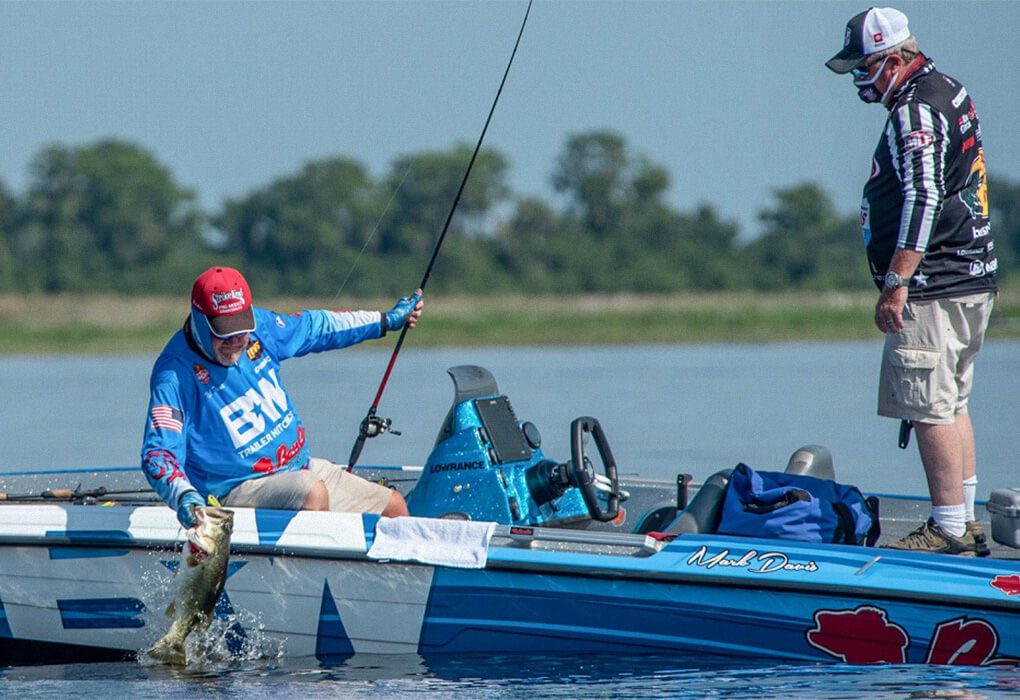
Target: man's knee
[[317, 498], [396, 507]]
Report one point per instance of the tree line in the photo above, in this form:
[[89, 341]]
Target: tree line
[[108, 217]]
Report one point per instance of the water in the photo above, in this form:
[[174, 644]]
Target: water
[[665, 409]]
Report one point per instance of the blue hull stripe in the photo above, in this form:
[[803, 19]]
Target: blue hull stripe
[[332, 644], [101, 613], [91, 535], [85, 552], [368, 522], [492, 611], [5, 627], [271, 524]]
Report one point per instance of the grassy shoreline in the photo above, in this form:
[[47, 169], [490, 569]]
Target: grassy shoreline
[[121, 324]]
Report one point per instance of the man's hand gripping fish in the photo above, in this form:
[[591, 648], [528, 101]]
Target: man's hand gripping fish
[[200, 579]]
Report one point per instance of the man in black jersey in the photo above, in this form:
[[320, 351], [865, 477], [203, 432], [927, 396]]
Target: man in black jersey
[[924, 216]]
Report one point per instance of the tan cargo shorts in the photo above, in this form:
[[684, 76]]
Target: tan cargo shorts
[[348, 492], [928, 367]]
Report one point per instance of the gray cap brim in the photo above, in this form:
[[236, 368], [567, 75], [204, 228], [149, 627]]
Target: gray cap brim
[[844, 61], [226, 326]]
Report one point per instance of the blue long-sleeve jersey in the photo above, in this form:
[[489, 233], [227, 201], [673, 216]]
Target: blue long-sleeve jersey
[[210, 427]]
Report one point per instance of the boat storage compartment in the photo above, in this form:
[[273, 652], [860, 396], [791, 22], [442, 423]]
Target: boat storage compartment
[[1004, 507]]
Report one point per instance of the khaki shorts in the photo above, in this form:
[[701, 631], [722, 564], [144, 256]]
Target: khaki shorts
[[928, 367], [348, 492]]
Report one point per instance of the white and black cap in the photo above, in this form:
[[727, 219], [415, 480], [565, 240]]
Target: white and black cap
[[874, 30]]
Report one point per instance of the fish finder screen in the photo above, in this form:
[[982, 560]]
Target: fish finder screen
[[504, 432]]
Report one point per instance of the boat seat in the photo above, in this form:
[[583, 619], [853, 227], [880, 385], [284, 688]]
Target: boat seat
[[703, 512], [812, 460]]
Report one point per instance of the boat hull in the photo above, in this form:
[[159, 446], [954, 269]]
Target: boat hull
[[303, 585]]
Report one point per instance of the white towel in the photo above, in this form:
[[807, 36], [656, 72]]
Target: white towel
[[460, 543]]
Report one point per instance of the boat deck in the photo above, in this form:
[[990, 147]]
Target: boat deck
[[900, 514]]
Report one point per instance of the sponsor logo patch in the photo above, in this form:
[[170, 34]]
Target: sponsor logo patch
[[234, 299], [160, 463], [975, 192], [457, 466], [918, 140], [967, 252], [960, 97], [254, 351], [202, 374], [284, 455]]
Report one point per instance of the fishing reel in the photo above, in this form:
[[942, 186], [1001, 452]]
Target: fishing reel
[[374, 426]]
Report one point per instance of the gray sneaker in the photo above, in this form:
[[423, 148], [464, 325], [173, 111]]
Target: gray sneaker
[[929, 537], [975, 530]]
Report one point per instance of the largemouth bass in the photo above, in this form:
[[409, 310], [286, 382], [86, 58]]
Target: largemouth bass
[[200, 579]]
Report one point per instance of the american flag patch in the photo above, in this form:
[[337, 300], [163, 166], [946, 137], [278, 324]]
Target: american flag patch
[[167, 418]]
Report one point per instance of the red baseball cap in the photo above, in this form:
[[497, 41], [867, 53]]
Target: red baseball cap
[[223, 296]]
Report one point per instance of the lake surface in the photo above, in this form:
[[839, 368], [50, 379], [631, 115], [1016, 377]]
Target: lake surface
[[665, 409]]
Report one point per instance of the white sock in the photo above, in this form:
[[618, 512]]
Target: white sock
[[952, 519], [969, 493]]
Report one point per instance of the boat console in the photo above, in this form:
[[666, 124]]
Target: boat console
[[488, 465]]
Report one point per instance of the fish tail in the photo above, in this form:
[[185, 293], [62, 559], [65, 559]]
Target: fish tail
[[169, 650]]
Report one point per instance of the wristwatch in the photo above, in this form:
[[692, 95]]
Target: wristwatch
[[892, 280]]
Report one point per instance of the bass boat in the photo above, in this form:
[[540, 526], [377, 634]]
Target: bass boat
[[507, 551]]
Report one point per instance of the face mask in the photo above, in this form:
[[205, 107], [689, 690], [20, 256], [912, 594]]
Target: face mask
[[201, 333], [866, 89]]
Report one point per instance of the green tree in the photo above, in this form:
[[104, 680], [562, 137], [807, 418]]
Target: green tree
[[104, 217], [530, 249], [424, 186], [593, 173], [1004, 202], [302, 233], [806, 245]]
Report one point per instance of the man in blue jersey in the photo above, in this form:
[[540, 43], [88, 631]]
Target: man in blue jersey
[[220, 421], [924, 216]]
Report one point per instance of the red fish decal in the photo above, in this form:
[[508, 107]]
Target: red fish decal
[[860, 636], [1010, 585]]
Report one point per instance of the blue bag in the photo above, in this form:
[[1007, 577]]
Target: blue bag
[[795, 507]]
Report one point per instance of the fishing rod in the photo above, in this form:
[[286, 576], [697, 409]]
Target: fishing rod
[[69, 495], [373, 425]]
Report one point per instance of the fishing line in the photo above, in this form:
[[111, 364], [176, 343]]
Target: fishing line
[[371, 234], [372, 425]]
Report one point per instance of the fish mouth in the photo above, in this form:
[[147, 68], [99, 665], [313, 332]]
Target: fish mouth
[[220, 517]]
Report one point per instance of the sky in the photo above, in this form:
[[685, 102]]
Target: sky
[[730, 97]]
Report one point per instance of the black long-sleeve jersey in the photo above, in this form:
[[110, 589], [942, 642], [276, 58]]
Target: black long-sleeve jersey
[[928, 192]]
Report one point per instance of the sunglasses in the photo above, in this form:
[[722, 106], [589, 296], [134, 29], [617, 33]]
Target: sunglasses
[[862, 72]]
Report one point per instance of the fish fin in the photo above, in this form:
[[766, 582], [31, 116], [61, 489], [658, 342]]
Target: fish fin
[[171, 610]]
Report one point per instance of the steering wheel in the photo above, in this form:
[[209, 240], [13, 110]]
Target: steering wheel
[[582, 473]]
